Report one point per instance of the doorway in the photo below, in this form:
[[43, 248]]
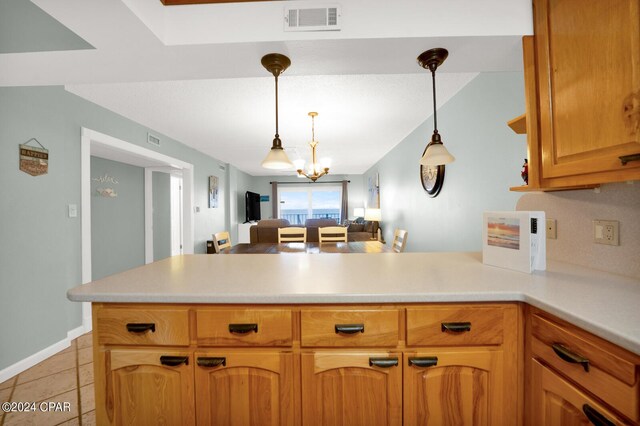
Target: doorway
[[101, 145]]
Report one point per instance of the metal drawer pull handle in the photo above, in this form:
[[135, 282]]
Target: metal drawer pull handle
[[137, 327], [349, 328], [211, 361], [173, 361], [595, 417], [383, 362], [455, 327], [243, 328], [423, 361], [570, 356], [626, 158]]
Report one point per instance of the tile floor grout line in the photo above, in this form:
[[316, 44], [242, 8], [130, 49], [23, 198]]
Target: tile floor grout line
[[48, 375], [13, 389]]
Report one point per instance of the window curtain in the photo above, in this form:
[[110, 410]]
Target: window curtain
[[344, 210], [274, 200]]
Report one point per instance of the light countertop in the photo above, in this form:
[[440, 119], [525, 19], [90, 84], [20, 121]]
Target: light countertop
[[605, 304]]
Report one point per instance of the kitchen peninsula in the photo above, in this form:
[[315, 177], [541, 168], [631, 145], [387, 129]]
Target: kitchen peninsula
[[296, 338]]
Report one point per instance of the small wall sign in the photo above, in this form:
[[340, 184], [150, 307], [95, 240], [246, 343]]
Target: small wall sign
[[264, 198], [34, 160]]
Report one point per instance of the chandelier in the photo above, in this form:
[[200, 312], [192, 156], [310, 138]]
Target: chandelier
[[315, 170]]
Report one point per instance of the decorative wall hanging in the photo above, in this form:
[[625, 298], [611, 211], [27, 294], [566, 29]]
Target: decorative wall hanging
[[213, 192], [106, 192], [34, 160], [373, 192]]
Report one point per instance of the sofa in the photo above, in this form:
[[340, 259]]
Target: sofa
[[266, 231]]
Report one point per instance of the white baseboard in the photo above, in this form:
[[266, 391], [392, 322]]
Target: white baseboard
[[30, 361]]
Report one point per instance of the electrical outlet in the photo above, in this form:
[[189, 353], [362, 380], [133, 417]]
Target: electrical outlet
[[606, 232], [551, 229]]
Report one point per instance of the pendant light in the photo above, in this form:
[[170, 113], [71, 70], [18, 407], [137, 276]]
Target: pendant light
[[276, 159], [436, 154], [315, 170]]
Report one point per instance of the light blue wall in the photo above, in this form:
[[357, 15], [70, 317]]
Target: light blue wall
[[40, 250], [117, 223], [24, 27], [488, 155], [161, 215]]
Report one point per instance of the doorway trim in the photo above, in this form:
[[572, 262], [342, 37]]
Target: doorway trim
[[90, 137]]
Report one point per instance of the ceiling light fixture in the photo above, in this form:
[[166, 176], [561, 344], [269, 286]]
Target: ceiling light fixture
[[313, 173], [436, 154], [276, 159]]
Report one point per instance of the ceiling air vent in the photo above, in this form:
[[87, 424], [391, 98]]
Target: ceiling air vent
[[316, 18]]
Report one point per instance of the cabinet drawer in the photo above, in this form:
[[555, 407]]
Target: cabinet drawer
[[349, 327], [244, 327], [588, 362], [149, 326], [455, 325]]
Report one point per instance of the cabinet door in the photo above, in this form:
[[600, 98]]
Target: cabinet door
[[456, 388], [348, 389], [557, 403], [244, 388], [588, 54], [149, 387]]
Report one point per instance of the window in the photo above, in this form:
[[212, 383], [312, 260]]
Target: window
[[299, 203]]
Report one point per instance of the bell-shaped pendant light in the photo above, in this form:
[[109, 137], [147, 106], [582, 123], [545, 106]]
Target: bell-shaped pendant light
[[436, 154], [276, 159]]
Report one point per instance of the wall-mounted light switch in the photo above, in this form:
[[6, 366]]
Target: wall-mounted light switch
[[73, 210]]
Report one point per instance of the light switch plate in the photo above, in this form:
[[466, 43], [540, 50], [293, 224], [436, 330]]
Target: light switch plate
[[73, 210], [606, 232]]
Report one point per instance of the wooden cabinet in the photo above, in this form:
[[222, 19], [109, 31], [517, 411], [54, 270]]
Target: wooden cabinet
[[455, 387], [244, 388], [351, 388], [582, 83], [311, 365], [575, 375], [556, 402], [148, 387]]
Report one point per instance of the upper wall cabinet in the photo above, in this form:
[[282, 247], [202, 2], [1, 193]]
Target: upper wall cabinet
[[587, 78]]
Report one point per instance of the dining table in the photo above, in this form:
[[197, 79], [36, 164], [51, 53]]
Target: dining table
[[372, 246]]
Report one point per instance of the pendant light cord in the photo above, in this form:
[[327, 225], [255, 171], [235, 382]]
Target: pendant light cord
[[435, 117], [277, 136]]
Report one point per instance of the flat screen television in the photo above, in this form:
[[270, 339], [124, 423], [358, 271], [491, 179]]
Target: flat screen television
[[252, 205]]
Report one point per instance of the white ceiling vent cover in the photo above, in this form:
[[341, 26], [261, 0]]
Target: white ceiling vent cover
[[319, 17]]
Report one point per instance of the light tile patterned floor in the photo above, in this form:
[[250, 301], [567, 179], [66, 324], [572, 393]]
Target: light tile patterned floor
[[65, 377]]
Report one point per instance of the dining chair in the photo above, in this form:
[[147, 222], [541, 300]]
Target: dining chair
[[293, 234], [332, 234], [221, 240], [399, 240]]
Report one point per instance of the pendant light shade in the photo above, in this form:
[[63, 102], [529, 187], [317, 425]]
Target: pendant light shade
[[436, 153], [276, 159]]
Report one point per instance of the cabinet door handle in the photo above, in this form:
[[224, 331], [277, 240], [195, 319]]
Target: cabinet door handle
[[383, 362], [455, 327], [423, 361], [174, 361], [569, 356], [349, 328], [595, 416], [140, 327], [211, 361], [243, 328]]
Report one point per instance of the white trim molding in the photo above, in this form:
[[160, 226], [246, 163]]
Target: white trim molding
[[25, 364]]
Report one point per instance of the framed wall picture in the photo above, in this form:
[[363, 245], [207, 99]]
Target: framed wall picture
[[213, 192], [514, 240]]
